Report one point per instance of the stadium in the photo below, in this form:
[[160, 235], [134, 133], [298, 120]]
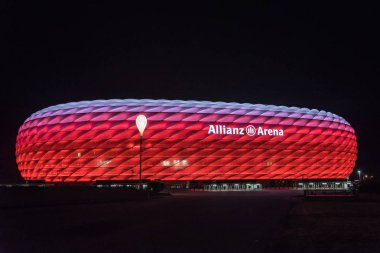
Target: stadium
[[197, 141]]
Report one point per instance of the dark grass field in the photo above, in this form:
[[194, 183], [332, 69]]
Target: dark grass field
[[182, 222], [116, 220], [332, 225]]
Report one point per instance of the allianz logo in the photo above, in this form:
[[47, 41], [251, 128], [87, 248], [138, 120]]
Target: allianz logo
[[249, 130]]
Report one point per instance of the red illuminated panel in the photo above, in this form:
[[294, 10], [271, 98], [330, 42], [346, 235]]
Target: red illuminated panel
[[184, 140]]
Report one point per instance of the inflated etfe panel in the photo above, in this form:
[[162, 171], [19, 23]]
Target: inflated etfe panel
[[183, 140]]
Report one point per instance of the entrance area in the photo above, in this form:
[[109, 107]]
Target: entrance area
[[338, 185], [232, 187]]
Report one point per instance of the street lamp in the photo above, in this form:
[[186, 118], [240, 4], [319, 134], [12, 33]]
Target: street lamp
[[141, 123], [360, 180]]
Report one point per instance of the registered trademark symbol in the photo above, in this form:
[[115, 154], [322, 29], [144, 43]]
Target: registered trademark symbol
[[250, 130]]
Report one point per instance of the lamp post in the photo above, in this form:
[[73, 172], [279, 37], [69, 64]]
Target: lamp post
[[141, 123], [360, 180]]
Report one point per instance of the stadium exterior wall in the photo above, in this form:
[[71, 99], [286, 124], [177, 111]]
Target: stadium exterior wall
[[184, 140]]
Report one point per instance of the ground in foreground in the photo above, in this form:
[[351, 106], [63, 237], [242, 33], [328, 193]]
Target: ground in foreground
[[332, 225], [183, 222]]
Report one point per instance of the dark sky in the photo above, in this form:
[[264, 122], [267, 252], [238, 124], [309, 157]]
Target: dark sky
[[306, 55]]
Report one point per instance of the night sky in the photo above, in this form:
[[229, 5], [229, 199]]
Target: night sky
[[316, 56]]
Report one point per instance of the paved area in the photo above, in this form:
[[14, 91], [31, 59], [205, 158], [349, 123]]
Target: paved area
[[183, 222]]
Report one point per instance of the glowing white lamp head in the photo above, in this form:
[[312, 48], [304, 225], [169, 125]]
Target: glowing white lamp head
[[141, 123]]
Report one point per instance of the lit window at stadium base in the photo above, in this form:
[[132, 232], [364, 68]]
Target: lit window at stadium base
[[184, 140]]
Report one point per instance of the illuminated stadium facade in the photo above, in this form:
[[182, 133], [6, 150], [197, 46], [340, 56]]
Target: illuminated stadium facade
[[184, 140]]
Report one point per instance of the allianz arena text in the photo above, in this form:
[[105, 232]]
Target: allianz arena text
[[184, 140]]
